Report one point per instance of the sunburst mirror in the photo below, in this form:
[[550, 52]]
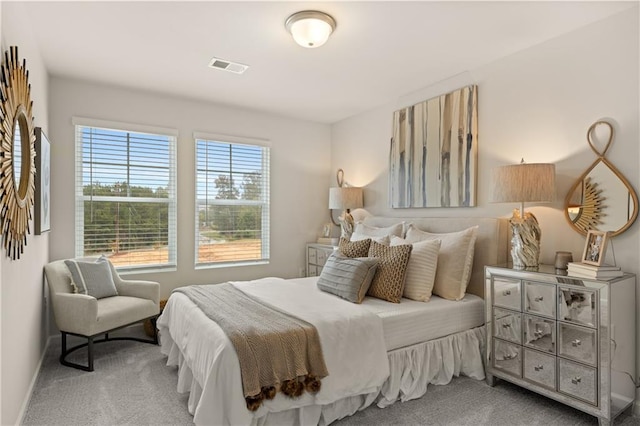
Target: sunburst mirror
[[17, 160]]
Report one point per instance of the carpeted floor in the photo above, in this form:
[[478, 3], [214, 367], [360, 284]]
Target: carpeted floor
[[133, 386]]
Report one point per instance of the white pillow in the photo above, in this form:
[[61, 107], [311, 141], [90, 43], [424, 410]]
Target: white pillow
[[421, 270], [372, 231], [455, 259], [380, 240]]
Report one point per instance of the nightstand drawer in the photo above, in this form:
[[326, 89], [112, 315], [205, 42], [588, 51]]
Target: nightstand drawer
[[540, 299], [578, 343], [578, 306], [506, 293], [540, 333], [578, 381], [312, 255], [507, 357], [540, 368], [507, 325]]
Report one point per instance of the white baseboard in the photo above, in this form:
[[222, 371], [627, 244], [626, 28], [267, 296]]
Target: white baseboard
[[27, 397]]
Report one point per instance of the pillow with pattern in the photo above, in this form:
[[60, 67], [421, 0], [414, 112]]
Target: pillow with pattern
[[388, 282], [347, 277], [421, 269], [455, 259], [354, 248]]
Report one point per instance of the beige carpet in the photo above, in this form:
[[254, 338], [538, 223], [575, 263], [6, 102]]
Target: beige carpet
[[133, 386]]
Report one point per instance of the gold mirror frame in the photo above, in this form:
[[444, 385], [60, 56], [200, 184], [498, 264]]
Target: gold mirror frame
[[587, 202], [16, 195]]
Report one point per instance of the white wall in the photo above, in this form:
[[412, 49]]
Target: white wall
[[299, 172], [22, 288], [536, 104]]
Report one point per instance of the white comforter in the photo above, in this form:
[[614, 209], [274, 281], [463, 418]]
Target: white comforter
[[351, 337]]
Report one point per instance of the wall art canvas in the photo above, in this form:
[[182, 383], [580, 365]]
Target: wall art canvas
[[42, 207], [434, 152]]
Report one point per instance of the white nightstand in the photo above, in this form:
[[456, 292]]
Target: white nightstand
[[568, 338], [317, 255]]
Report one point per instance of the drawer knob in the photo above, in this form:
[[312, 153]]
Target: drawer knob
[[506, 293], [539, 367], [576, 343], [538, 333], [576, 380], [506, 325], [539, 299], [509, 356]]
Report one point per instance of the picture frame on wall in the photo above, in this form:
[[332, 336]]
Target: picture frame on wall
[[594, 248], [42, 205]]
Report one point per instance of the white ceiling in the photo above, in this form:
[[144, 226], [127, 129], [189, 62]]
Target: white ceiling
[[379, 52]]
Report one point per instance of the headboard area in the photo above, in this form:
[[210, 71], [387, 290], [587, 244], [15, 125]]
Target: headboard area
[[492, 243]]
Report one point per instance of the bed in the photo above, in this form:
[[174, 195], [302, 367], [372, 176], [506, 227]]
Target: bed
[[376, 352]]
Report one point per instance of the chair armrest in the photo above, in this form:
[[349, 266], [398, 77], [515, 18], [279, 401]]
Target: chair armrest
[[73, 312], [138, 288]]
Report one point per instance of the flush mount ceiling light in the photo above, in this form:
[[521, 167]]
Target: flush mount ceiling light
[[310, 28]]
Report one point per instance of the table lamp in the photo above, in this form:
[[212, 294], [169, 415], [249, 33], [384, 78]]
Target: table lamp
[[345, 199], [522, 183]]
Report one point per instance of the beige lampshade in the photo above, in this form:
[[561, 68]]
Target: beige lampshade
[[535, 182], [345, 198]]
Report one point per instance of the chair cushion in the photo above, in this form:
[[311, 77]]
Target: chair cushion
[[114, 312], [92, 278]]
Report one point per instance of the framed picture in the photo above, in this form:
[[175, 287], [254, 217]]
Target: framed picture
[[326, 230], [42, 205], [594, 248]]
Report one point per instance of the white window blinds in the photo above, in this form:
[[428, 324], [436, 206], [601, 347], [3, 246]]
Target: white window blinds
[[126, 196], [232, 202]]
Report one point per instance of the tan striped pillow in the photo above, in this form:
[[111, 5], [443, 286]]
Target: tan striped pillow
[[421, 269], [455, 259]]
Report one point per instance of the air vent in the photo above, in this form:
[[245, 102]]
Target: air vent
[[222, 64]]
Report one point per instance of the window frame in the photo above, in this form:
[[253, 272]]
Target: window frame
[[171, 201], [265, 202]]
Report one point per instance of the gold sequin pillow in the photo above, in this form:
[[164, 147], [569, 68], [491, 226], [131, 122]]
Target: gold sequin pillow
[[354, 248], [388, 282]]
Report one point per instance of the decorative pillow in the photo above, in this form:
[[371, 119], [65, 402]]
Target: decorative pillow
[[354, 248], [454, 260], [92, 278], [388, 282], [347, 277], [421, 269], [380, 240], [372, 231]]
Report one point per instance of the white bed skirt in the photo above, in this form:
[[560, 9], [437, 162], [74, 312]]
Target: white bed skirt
[[411, 369]]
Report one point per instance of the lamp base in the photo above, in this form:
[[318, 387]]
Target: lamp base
[[347, 224], [525, 240]]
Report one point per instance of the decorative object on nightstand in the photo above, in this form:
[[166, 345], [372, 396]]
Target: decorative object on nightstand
[[345, 198], [593, 259], [562, 260], [522, 183], [317, 255], [558, 335]]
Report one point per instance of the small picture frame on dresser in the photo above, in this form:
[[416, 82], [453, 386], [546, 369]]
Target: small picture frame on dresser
[[594, 248]]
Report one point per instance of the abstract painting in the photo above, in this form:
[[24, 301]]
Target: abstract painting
[[434, 152]]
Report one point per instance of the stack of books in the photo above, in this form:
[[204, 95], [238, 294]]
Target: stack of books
[[585, 270]]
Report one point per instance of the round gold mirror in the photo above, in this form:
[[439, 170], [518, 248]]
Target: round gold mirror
[[17, 182], [601, 199]]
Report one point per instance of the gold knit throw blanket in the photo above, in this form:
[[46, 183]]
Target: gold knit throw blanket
[[276, 350]]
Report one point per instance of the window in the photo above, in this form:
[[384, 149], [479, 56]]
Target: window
[[126, 194], [232, 202]]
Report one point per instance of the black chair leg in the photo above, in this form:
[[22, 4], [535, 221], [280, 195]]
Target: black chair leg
[[91, 341]]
